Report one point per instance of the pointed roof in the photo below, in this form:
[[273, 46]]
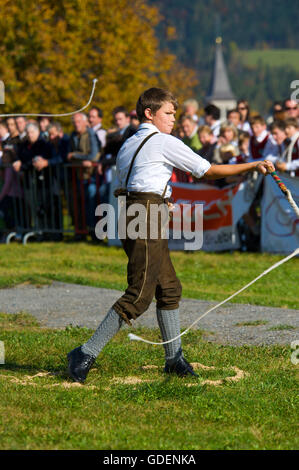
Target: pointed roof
[[220, 87]]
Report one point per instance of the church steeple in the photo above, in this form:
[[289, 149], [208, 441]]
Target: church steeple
[[220, 92], [220, 88]]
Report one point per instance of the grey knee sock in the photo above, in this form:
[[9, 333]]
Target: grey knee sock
[[169, 323], [105, 331]]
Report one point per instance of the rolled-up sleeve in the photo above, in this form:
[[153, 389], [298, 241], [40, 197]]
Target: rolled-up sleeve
[[179, 155]]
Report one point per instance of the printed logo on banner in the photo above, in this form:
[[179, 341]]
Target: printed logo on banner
[[219, 232]]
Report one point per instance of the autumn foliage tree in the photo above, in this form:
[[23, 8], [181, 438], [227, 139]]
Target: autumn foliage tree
[[52, 49]]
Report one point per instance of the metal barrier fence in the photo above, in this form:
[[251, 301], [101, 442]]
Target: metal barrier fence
[[48, 204]]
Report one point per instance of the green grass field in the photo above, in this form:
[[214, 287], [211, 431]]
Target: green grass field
[[125, 405], [272, 58], [206, 276], [245, 397]]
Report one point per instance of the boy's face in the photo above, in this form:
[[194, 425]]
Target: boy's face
[[228, 135], [290, 131], [205, 138], [188, 127], [234, 118], [244, 146], [164, 118], [53, 134], [121, 120], [279, 135], [258, 128]]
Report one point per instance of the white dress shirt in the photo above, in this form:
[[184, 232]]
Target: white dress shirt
[[101, 134], [154, 163], [292, 165]]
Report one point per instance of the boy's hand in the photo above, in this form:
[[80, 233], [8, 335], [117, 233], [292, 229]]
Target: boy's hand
[[281, 166], [265, 167]]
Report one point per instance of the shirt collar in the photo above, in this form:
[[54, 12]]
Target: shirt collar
[[148, 125], [262, 136], [5, 137]]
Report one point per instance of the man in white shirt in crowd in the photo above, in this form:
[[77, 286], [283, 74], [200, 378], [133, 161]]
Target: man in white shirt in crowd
[[95, 117], [290, 158], [144, 167], [212, 119]]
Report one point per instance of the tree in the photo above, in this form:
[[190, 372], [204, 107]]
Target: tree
[[51, 50]]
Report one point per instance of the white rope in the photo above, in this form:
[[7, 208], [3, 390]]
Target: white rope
[[279, 263], [292, 202], [58, 115]]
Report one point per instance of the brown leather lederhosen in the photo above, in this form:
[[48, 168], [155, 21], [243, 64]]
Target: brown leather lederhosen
[[150, 272]]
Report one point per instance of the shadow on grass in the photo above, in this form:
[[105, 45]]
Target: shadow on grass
[[33, 370]]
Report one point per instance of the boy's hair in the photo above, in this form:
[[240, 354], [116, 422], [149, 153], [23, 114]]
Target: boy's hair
[[230, 111], [98, 110], [278, 125], [257, 120], [3, 124], [186, 117], [226, 126], [154, 98], [120, 109], [291, 122], [191, 102], [57, 126], [212, 110], [242, 137], [205, 129]]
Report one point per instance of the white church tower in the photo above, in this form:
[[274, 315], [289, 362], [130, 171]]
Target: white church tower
[[220, 93]]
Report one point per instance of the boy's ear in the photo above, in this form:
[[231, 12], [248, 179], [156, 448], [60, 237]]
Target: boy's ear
[[148, 113]]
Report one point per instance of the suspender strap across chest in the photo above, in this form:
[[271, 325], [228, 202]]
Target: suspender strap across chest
[[136, 153], [119, 192]]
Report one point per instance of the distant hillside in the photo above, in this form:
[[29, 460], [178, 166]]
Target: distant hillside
[[272, 58], [250, 30]]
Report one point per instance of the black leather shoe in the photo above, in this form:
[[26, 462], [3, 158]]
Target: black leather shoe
[[79, 364], [179, 366]]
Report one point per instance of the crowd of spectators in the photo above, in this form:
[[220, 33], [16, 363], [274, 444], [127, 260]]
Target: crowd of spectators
[[243, 136], [41, 146]]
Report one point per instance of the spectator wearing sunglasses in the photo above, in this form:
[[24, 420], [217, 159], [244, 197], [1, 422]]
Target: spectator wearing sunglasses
[[291, 109]]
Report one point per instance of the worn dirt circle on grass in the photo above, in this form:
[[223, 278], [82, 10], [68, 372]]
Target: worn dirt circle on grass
[[28, 380]]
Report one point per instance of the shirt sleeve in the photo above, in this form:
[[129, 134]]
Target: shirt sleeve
[[271, 151], [293, 165], [181, 156]]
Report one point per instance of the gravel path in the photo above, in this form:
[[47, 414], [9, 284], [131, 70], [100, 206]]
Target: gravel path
[[59, 304]]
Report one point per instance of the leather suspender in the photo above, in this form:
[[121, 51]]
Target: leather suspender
[[135, 155], [118, 192]]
